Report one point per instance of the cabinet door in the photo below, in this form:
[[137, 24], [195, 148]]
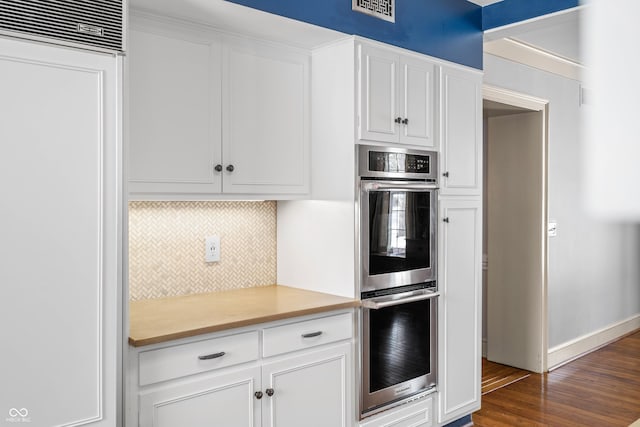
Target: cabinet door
[[417, 101], [266, 110], [459, 354], [60, 225], [461, 127], [223, 400], [175, 117], [379, 82], [311, 390]]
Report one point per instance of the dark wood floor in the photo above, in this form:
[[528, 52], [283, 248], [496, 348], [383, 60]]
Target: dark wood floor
[[495, 376], [600, 389]]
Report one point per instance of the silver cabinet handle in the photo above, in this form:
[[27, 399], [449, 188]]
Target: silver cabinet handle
[[312, 334], [211, 356]]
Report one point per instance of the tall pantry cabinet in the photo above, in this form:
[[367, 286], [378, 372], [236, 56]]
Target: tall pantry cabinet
[[370, 93], [60, 221]]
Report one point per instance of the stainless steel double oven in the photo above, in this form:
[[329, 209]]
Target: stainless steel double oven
[[398, 245]]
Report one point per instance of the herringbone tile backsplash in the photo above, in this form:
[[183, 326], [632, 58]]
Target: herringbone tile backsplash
[[166, 247]]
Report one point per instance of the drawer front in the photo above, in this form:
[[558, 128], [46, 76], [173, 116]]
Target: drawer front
[[310, 333], [186, 359], [417, 414]]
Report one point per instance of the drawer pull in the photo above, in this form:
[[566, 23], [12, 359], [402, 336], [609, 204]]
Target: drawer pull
[[312, 334], [211, 356]]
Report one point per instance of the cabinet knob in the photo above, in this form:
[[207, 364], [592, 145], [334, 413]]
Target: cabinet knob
[[258, 395], [270, 392], [398, 120], [218, 168], [446, 174], [446, 219], [230, 168], [405, 121]]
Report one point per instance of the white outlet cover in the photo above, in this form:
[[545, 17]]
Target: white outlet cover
[[212, 249]]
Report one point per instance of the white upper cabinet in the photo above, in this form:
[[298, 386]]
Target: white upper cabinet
[[265, 133], [213, 114], [396, 97], [461, 129], [175, 114]]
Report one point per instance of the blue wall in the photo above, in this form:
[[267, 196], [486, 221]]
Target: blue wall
[[447, 29], [511, 11]]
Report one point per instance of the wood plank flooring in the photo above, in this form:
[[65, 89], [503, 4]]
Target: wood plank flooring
[[495, 376], [600, 389]]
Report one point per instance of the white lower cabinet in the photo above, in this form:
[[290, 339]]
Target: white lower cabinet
[[414, 414], [310, 385], [311, 390], [459, 328], [224, 400]]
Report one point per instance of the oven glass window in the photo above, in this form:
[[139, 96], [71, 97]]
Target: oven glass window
[[399, 231], [399, 340]]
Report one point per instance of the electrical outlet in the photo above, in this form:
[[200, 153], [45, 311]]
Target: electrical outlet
[[212, 249]]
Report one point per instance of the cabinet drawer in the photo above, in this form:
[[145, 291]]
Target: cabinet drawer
[[310, 333], [417, 414], [186, 359]]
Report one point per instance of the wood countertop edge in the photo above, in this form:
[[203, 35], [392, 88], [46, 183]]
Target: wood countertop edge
[[141, 342]]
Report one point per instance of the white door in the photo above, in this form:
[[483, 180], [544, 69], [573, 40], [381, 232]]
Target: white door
[[311, 390], [174, 113], [459, 353], [224, 400], [379, 115], [60, 222], [266, 125], [460, 124], [516, 239], [417, 102]]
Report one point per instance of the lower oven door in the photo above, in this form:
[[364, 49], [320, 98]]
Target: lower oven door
[[398, 347]]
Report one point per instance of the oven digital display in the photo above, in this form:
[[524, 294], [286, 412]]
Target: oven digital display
[[398, 162]]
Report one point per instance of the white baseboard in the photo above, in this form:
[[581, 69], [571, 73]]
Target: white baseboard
[[568, 351]]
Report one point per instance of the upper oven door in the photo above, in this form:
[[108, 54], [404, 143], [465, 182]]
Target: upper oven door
[[398, 233]]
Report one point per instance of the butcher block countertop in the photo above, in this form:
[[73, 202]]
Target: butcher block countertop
[[164, 319]]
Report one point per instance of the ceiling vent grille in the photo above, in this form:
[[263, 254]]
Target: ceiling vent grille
[[91, 23], [383, 9]]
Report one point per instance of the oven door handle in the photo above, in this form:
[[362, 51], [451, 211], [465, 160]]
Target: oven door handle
[[375, 304], [397, 186]]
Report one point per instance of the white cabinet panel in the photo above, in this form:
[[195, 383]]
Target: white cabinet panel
[[417, 102], [379, 87], [175, 113], [311, 390], [396, 97], [200, 356], [266, 119], [60, 224], [213, 114], [461, 122], [224, 400], [459, 317], [413, 414]]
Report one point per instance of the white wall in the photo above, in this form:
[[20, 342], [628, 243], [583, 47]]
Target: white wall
[[594, 274]]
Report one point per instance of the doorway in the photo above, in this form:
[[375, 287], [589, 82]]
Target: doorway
[[515, 229]]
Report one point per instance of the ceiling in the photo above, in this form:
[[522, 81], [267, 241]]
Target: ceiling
[[557, 33], [496, 109], [484, 2]]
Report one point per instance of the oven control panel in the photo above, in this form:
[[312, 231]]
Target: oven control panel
[[397, 163]]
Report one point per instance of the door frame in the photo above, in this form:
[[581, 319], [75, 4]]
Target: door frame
[[516, 99]]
